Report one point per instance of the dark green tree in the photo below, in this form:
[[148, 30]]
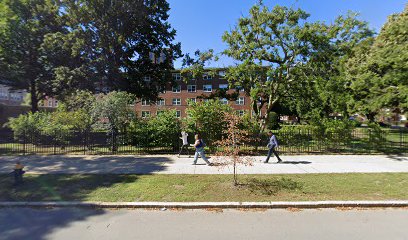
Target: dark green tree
[[121, 44], [378, 71], [23, 27]]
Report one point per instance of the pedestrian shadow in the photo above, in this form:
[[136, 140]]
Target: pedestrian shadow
[[295, 162], [399, 157]]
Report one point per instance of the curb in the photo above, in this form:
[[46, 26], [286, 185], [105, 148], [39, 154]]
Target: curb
[[203, 205]]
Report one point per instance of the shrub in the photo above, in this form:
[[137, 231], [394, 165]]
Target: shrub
[[207, 118], [162, 130], [30, 124]]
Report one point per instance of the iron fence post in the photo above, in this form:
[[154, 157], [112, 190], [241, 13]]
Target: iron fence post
[[24, 142], [84, 141], [401, 145], [54, 142]]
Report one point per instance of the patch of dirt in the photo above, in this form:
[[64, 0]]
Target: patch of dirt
[[252, 209], [177, 209], [291, 209], [179, 187], [216, 210]]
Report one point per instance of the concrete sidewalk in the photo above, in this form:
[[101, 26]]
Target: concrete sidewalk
[[170, 164]]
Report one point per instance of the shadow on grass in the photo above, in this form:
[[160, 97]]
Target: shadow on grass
[[61, 187], [271, 186]]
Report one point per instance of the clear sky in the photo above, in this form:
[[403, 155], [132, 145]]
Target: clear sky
[[201, 23]]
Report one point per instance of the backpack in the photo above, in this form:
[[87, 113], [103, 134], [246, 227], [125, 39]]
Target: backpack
[[202, 144]]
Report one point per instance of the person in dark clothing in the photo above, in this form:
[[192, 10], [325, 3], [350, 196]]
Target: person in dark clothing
[[272, 144]]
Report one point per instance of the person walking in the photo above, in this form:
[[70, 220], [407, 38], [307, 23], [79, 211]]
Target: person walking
[[199, 146], [272, 144], [184, 136]]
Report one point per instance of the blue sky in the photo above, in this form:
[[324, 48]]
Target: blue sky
[[201, 23]]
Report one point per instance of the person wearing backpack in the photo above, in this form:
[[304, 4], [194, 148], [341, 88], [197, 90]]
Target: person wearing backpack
[[199, 146]]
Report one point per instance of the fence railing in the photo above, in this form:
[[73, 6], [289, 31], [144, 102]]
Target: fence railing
[[295, 141]]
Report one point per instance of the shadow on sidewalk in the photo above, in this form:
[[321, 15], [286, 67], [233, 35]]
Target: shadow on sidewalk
[[60, 164], [295, 162], [400, 157]]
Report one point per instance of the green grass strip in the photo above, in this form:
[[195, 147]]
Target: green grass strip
[[199, 188]]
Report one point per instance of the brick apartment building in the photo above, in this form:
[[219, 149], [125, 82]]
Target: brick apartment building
[[177, 97]]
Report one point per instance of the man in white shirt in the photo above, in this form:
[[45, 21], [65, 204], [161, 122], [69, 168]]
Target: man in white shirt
[[184, 136]]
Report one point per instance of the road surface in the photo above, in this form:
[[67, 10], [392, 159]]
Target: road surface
[[77, 224]]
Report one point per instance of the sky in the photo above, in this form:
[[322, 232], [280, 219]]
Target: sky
[[201, 23]]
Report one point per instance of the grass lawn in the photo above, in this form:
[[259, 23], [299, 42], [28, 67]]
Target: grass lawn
[[181, 188]]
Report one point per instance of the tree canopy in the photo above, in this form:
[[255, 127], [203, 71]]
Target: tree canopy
[[378, 71], [53, 48], [23, 27], [280, 51]]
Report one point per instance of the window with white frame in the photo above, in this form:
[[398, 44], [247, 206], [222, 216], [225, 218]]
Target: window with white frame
[[223, 86], [240, 101], [240, 112], [176, 76], [221, 73], [207, 88], [178, 113], [176, 101], [146, 78], [224, 100], [191, 88], [145, 114], [50, 103], [176, 89], [145, 102], [207, 76], [161, 102]]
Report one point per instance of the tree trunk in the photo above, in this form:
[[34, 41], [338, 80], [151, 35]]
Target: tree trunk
[[34, 97], [370, 116]]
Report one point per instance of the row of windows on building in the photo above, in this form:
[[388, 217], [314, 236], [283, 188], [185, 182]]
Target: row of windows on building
[[147, 114], [193, 88], [177, 101], [13, 96], [178, 77]]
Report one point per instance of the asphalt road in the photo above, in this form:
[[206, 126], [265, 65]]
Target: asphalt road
[[76, 224]]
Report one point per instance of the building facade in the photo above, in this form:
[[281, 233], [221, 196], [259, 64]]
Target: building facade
[[177, 97], [11, 97]]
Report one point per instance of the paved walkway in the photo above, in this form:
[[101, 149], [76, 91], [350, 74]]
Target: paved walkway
[[169, 164]]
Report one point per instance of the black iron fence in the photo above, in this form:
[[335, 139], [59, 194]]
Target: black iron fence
[[293, 141]]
